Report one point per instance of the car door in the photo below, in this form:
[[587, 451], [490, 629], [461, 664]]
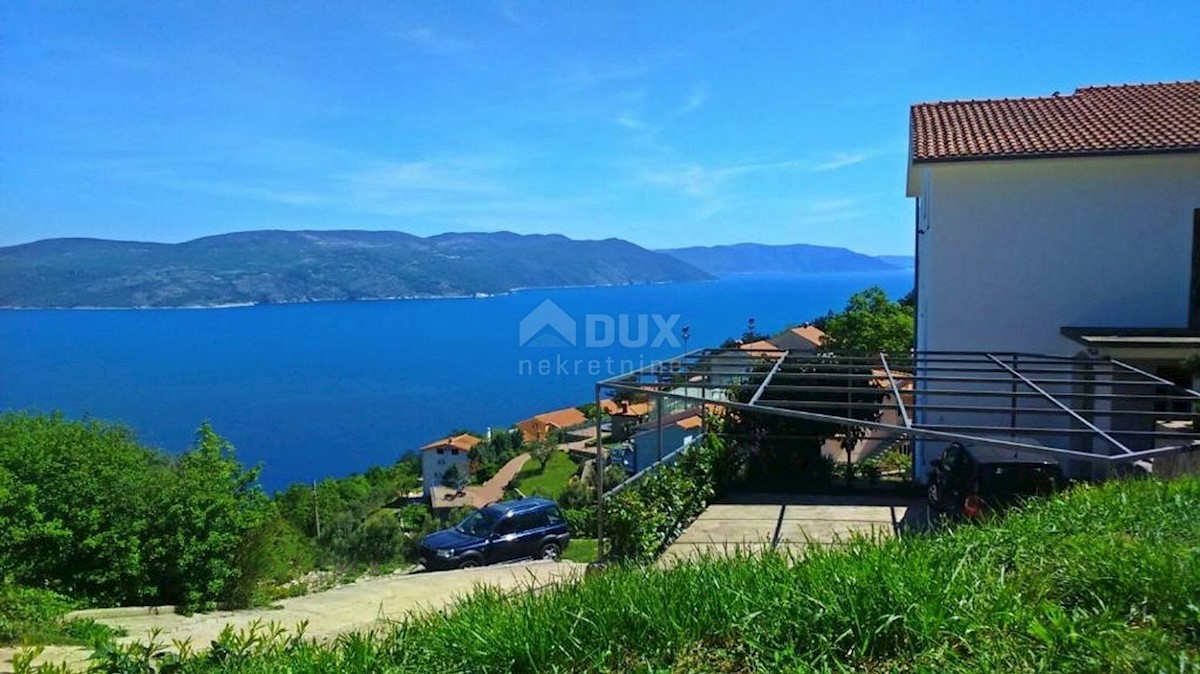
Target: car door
[[530, 529], [502, 546]]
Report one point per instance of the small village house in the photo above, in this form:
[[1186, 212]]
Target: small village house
[[800, 339], [543, 425], [440, 455]]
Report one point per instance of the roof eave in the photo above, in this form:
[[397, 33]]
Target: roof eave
[[914, 161]]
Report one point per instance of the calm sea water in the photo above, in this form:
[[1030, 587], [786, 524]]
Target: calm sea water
[[316, 390]]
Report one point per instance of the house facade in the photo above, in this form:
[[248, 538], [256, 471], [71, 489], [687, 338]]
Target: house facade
[[1065, 225], [440, 455]]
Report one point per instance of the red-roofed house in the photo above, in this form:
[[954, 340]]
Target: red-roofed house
[[438, 456], [537, 427], [1065, 224], [1039, 214], [802, 339], [762, 349]]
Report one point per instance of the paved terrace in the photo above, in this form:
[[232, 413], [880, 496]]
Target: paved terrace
[[758, 521]]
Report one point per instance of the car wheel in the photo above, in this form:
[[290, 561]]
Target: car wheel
[[935, 497], [550, 551], [469, 563]]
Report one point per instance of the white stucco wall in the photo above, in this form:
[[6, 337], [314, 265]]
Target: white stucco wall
[[1013, 251], [434, 466]]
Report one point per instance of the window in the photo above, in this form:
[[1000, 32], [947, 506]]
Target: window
[[553, 516], [506, 526], [441, 450]]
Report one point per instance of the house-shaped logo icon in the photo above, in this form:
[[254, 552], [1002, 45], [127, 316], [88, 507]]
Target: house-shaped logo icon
[[547, 325]]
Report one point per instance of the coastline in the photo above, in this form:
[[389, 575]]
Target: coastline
[[398, 298]]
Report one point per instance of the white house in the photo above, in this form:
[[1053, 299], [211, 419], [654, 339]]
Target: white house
[[1066, 224], [438, 456]]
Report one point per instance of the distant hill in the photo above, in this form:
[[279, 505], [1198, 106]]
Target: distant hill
[[755, 258], [901, 261], [311, 266]]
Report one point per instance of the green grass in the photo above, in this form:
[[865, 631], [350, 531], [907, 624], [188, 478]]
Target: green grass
[[1097, 580], [549, 482], [581, 550]]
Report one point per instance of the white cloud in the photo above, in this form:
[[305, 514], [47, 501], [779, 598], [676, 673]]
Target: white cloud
[[695, 100], [630, 120], [430, 40], [841, 160]]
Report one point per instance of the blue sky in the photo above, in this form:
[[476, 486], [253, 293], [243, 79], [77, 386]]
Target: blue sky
[[667, 124]]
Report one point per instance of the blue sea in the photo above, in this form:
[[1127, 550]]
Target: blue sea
[[329, 389]]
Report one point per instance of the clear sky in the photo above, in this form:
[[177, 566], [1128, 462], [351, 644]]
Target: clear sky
[[667, 124]]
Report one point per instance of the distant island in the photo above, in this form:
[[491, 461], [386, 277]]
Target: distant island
[[270, 267], [800, 258], [275, 267]]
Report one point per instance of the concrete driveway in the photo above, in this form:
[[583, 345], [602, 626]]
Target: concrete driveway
[[758, 521], [348, 608]]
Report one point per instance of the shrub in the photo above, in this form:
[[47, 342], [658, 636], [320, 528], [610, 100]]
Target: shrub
[[26, 610], [581, 520], [89, 513], [646, 516]]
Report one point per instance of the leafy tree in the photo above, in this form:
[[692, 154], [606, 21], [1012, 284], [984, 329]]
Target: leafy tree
[[541, 450], [869, 324], [205, 523], [75, 507], [452, 478]]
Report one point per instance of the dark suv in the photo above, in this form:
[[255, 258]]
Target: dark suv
[[968, 480], [500, 532]]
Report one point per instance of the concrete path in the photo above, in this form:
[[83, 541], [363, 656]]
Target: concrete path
[[755, 522], [355, 607], [493, 489]]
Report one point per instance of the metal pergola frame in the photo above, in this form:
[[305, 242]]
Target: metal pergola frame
[[937, 395]]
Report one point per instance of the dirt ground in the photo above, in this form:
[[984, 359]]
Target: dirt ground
[[348, 608]]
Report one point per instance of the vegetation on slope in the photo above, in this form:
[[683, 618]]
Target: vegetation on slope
[[278, 266], [1100, 579], [87, 512], [757, 258]]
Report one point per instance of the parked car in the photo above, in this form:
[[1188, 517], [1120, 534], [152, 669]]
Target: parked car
[[966, 480], [500, 532]]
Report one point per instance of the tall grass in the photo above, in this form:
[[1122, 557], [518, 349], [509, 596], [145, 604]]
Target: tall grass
[[1102, 579]]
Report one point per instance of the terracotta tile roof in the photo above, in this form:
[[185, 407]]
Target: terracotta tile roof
[[762, 348], [464, 442], [564, 418], [612, 407], [1134, 118], [634, 410], [537, 426], [810, 333]]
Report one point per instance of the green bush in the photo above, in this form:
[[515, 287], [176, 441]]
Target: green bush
[[26, 610], [642, 519], [32, 617], [89, 513], [582, 521]]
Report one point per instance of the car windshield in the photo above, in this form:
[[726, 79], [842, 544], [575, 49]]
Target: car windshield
[[479, 523]]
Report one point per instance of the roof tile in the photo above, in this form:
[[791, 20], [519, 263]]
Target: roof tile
[[1132, 118]]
